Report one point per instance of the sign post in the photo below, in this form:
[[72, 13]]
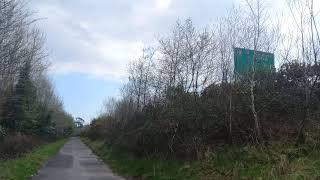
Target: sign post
[[243, 61]]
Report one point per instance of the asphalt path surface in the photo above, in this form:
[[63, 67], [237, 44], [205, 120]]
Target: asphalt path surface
[[75, 161]]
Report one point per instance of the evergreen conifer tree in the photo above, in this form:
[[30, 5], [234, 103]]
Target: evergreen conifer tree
[[25, 102]]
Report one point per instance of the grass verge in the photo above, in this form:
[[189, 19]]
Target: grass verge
[[132, 167], [22, 168], [277, 161]]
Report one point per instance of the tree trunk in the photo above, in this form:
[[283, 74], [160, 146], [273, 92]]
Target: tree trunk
[[253, 109], [230, 116]]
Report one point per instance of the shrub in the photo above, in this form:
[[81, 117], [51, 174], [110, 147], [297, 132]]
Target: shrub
[[98, 128], [17, 144]]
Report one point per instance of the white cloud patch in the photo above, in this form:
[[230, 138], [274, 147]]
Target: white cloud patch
[[78, 47], [162, 4], [98, 38]]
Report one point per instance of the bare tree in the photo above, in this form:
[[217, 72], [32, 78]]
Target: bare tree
[[187, 57], [227, 36], [307, 51], [140, 77]]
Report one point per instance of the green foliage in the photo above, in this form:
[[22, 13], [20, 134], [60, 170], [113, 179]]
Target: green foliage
[[24, 167], [29, 108], [21, 114], [44, 125], [25, 102], [25, 113], [27, 120]]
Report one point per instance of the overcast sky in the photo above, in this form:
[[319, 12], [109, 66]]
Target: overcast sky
[[91, 41]]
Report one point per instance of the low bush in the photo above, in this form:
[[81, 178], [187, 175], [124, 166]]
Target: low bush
[[98, 128], [16, 144]]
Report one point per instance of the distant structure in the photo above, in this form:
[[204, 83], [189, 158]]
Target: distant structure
[[243, 61], [79, 122]]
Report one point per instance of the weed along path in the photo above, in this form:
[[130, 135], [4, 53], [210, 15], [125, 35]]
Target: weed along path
[[75, 161]]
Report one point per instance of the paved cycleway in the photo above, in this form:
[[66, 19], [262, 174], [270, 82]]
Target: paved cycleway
[[75, 161]]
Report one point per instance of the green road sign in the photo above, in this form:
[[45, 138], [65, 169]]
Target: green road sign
[[243, 61]]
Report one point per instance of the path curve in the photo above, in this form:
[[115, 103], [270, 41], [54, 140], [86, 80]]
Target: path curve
[[75, 161]]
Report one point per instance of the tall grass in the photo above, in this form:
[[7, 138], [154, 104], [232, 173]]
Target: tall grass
[[276, 161]]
